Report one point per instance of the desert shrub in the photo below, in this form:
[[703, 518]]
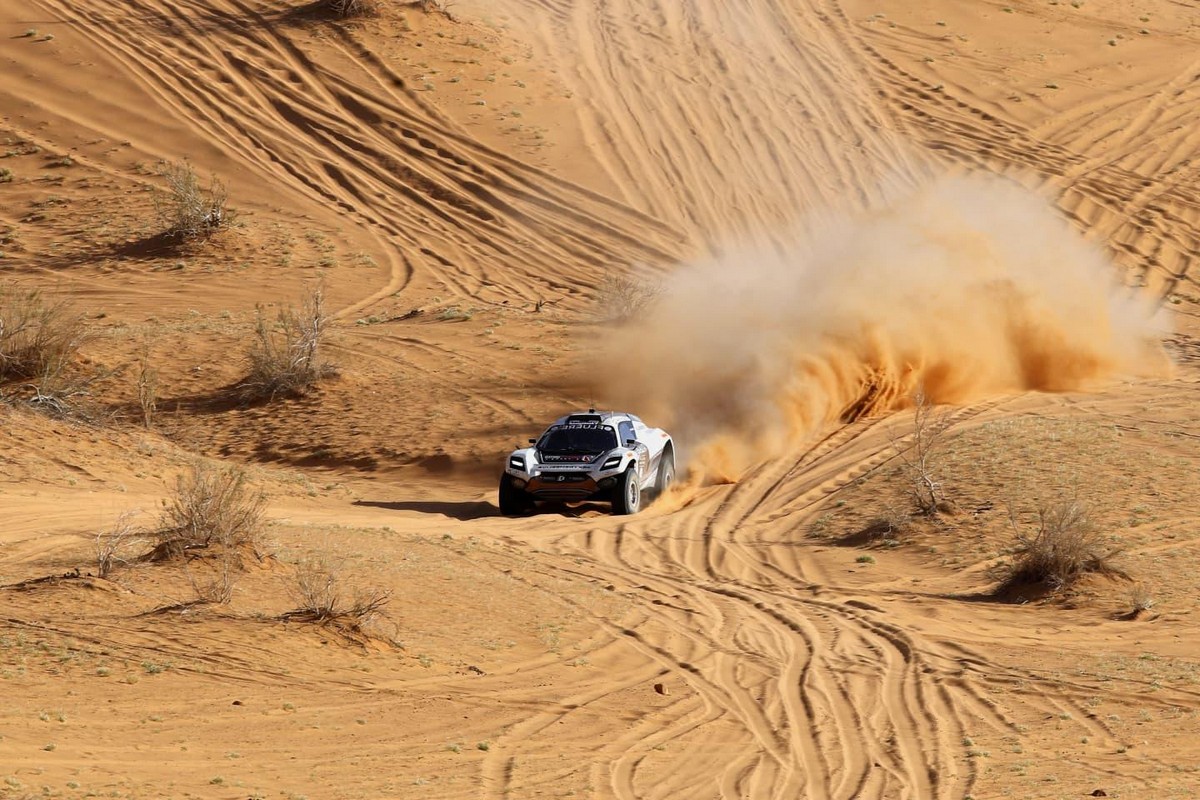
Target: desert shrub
[[147, 387], [212, 579], [323, 597], [623, 297], [285, 357], [1140, 599], [919, 455], [1065, 546], [39, 342], [188, 210], [39, 338], [113, 543], [351, 8], [211, 506], [347, 9]]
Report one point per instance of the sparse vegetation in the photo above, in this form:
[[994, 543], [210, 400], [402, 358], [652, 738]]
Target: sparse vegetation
[[188, 210], [919, 457], [1140, 599], [211, 506], [622, 297], [351, 8], [147, 387], [1065, 546], [285, 357], [39, 341], [112, 544], [212, 580], [323, 597]]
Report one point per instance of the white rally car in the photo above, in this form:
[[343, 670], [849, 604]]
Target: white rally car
[[592, 455]]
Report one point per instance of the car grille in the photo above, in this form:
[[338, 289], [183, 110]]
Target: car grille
[[564, 486]]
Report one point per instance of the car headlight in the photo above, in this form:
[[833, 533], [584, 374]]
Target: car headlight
[[517, 462], [611, 463]]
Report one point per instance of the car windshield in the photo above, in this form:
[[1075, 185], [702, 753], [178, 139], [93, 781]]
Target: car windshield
[[578, 439]]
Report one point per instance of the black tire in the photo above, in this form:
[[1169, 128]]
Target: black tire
[[666, 472], [513, 501], [627, 494]]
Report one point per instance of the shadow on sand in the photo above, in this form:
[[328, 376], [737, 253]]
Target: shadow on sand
[[468, 510]]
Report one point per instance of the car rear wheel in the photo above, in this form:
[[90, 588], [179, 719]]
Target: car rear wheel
[[666, 472], [513, 501], [627, 494]]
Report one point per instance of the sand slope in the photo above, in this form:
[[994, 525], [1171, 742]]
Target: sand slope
[[464, 187]]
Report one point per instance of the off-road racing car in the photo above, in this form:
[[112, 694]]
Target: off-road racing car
[[589, 455]]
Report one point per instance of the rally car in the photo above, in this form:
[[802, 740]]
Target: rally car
[[589, 455]]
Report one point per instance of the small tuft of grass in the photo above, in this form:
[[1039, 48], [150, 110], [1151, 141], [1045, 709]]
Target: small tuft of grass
[[865, 559]]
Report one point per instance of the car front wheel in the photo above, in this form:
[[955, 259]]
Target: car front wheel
[[513, 501], [627, 494]]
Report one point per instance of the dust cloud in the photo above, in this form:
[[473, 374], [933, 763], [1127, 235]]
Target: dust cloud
[[968, 287]]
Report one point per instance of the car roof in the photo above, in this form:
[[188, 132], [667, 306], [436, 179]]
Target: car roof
[[591, 416]]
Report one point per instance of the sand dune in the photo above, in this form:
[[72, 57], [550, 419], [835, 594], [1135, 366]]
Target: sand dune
[[810, 185]]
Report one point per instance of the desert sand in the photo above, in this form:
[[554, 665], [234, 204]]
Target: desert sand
[[829, 205]]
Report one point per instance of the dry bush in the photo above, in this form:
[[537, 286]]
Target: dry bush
[[351, 8], [1065, 547], [322, 596], [919, 457], [1140, 599], [286, 358], [212, 580], [348, 9], [147, 387], [622, 297], [893, 521], [112, 544], [188, 210], [39, 339], [212, 506], [439, 6]]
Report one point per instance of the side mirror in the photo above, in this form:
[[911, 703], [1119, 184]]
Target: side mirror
[[533, 441], [631, 443]]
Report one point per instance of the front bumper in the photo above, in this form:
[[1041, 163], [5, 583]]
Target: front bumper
[[567, 486]]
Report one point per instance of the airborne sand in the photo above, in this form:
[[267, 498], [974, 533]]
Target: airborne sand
[[966, 288]]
